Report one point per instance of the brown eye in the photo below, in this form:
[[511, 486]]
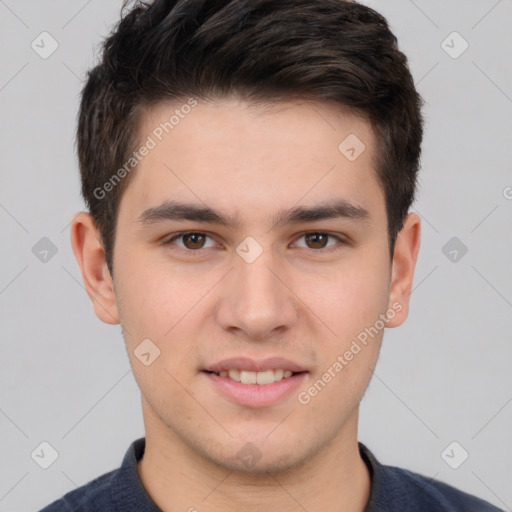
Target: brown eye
[[317, 240], [193, 240]]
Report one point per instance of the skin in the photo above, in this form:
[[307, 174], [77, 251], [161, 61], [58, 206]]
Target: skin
[[296, 300]]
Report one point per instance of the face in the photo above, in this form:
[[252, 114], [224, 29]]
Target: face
[[252, 285]]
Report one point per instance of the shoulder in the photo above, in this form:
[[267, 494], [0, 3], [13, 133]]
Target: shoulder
[[93, 496], [398, 489], [120, 489], [429, 494]]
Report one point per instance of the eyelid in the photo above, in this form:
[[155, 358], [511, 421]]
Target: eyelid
[[342, 240], [175, 236]]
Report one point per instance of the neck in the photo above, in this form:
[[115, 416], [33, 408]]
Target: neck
[[178, 478]]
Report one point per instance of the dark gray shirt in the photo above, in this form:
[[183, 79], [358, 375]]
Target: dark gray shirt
[[392, 489]]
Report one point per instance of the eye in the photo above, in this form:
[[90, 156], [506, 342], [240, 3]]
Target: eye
[[192, 240], [319, 240]]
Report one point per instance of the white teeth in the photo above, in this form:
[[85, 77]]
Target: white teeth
[[278, 374], [248, 377], [266, 377], [234, 375]]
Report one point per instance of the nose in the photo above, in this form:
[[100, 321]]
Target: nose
[[258, 302]]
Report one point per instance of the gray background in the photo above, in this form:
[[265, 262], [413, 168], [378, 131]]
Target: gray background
[[444, 376]]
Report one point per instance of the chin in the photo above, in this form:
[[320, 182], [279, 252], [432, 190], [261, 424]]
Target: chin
[[246, 458], [266, 465]]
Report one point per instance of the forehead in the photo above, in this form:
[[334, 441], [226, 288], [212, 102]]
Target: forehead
[[240, 157]]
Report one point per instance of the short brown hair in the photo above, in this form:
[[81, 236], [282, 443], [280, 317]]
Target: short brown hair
[[264, 51]]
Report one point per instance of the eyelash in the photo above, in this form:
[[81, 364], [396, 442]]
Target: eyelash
[[176, 236]]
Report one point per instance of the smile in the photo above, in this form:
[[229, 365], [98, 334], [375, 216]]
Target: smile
[[248, 377]]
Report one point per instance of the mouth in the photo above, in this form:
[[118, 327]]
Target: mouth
[[249, 377], [256, 383]]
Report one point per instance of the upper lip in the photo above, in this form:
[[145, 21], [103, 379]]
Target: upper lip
[[255, 365]]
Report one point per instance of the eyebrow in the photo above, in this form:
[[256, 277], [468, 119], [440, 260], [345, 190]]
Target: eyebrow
[[177, 210]]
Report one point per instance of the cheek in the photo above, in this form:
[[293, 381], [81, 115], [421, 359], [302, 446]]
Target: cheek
[[152, 297], [164, 305], [349, 304], [349, 298], [349, 351], [153, 306]]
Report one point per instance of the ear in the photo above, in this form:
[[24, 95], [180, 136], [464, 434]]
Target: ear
[[405, 255], [90, 255]]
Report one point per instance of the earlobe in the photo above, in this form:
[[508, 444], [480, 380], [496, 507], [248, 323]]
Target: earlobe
[[402, 273], [90, 255]]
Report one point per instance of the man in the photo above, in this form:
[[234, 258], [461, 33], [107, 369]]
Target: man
[[248, 167]]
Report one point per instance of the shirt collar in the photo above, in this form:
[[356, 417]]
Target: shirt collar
[[127, 486], [386, 486]]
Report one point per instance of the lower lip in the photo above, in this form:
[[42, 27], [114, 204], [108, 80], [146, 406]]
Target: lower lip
[[256, 395]]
